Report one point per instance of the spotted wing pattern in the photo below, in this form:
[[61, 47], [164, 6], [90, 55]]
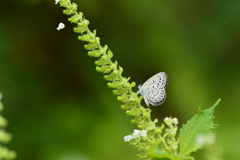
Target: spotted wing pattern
[[153, 90]]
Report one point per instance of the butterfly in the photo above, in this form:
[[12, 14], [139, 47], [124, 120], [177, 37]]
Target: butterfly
[[153, 90]]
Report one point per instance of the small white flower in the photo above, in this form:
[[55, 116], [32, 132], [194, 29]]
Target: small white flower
[[143, 133], [205, 139], [175, 121], [168, 121], [60, 26], [56, 1], [128, 138], [136, 133], [200, 140]]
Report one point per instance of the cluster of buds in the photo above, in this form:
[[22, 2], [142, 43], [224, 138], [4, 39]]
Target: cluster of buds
[[136, 134], [168, 140], [170, 133]]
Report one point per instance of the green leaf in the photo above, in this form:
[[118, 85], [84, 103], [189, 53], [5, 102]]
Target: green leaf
[[162, 155], [200, 124]]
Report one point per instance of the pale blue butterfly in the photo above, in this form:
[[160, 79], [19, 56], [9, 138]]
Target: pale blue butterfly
[[153, 90]]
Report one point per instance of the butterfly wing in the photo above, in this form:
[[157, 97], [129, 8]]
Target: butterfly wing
[[153, 90], [156, 96]]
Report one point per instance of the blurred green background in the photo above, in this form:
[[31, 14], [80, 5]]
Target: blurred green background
[[59, 107]]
